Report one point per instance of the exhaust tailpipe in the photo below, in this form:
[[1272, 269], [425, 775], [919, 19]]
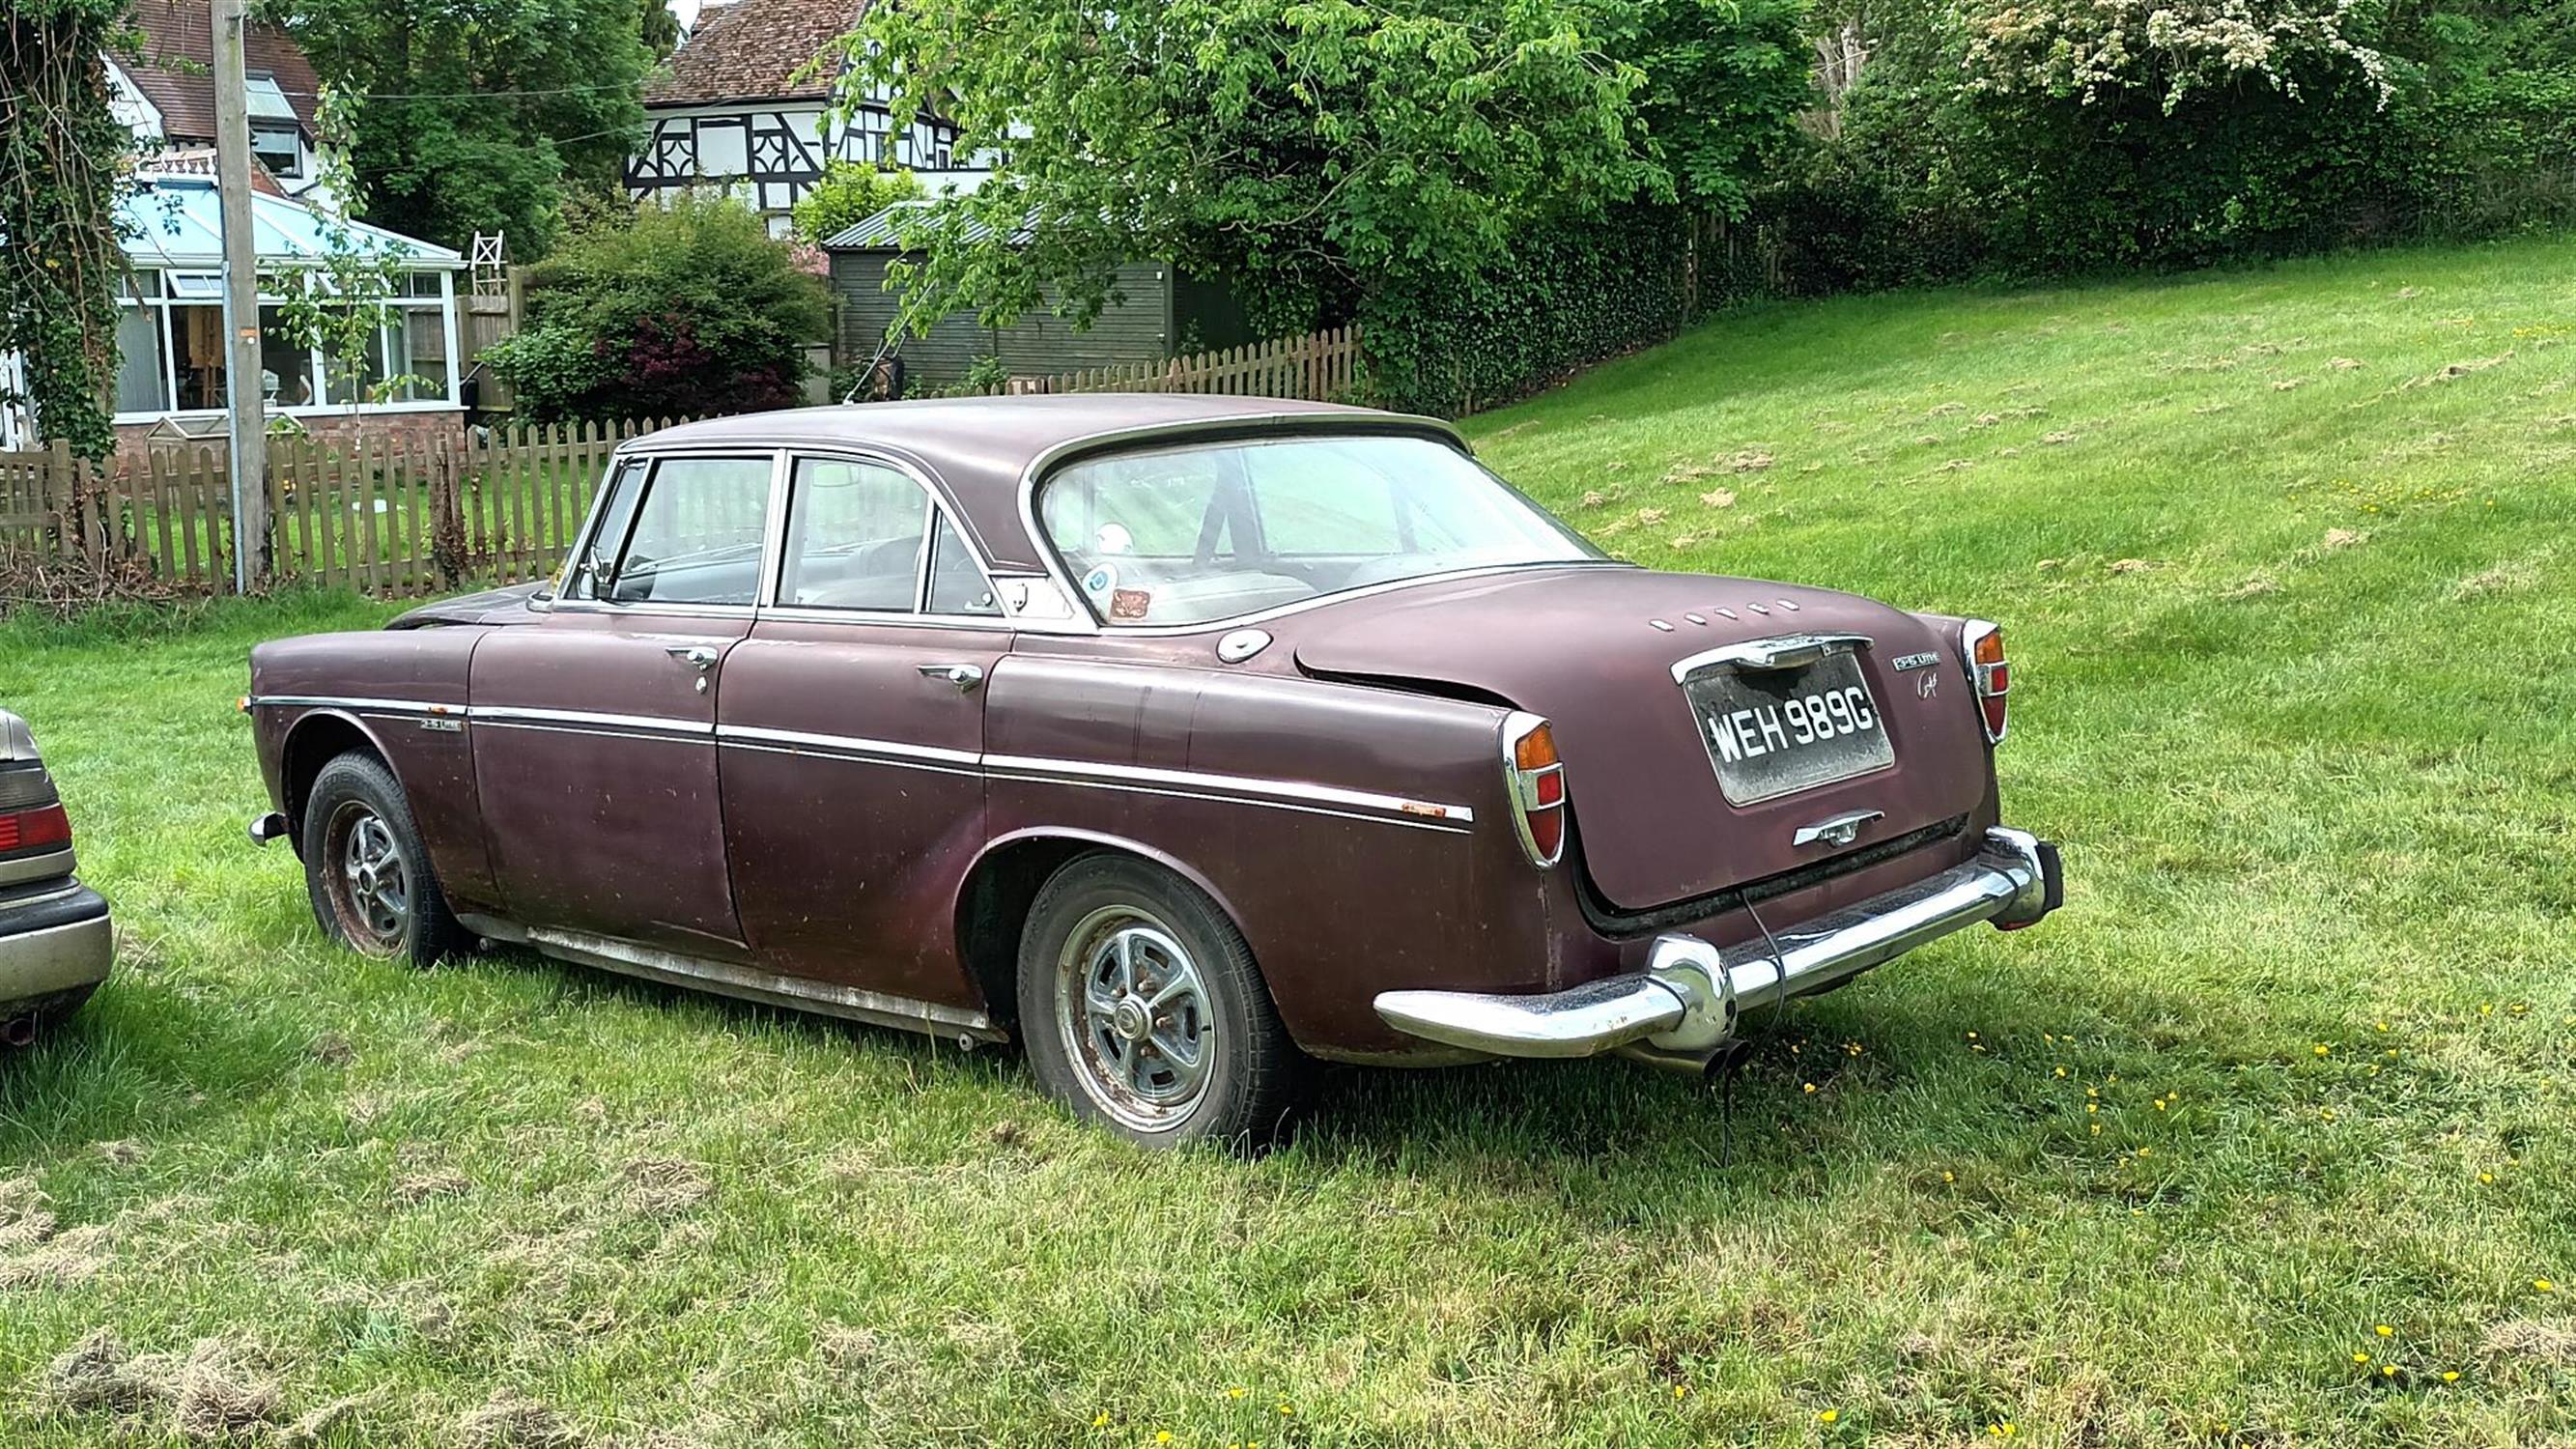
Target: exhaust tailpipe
[[18, 1031]]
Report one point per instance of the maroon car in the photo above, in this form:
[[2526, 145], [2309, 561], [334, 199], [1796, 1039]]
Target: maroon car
[[1181, 738]]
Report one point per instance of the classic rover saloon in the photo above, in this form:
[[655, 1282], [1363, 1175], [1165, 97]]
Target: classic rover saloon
[[1181, 739]]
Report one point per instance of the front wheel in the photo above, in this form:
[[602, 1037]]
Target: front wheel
[[1142, 1009], [366, 868]]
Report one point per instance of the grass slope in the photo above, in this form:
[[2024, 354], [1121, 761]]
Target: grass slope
[[2261, 1141]]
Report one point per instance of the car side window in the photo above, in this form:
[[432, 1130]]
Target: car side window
[[616, 516], [957, 583], [696, 534], [854, 537]]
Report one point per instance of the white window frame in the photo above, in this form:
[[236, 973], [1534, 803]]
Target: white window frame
[[199, 287]]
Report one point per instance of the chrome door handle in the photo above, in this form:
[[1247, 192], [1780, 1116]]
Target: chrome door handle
[[964, 676], [697, 656]]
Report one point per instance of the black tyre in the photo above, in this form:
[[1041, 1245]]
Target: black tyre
[[366, 868], [1142, 1009]]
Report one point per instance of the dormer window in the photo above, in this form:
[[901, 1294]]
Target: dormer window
[[276, 135]]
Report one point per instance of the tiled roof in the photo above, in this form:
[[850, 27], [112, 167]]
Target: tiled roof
[[748, 50], [176, 69]]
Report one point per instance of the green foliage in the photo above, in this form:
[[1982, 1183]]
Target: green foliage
[[62, 166], [848, 194], [659, 312], [338, 305], [1452, 342], [1301, 149], [479, 117], [2054, 138]]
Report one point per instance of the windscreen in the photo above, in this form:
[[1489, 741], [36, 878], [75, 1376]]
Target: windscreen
[[1198, 534]]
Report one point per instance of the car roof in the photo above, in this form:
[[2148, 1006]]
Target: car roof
[[980, 448]]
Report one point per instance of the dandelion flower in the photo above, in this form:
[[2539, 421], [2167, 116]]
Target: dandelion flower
[[1100, 1420], [2388, 1370], [1162, 1436], [1680, 1389], [2543, 1285], [2097, 1129], [2322, 1049], [1949, 1177], [1237, 1391], [2486, 1177], [2450, 1376], [1811, 1086], [1827, 1416], [2384, 1331], [2061, 1071], [1284, 1409], [2359, 1357]]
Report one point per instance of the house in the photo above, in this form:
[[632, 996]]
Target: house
[[171, 360], [166, 94], [738, 111], [1156, 313]]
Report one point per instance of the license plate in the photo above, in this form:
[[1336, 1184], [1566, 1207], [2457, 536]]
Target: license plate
[[1775, 732]]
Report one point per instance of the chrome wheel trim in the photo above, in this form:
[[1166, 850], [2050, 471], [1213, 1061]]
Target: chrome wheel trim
[[371, 885], [1135, 1018]]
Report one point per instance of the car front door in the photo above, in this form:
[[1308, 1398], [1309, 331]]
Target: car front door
[[852, 729], [594, 729]]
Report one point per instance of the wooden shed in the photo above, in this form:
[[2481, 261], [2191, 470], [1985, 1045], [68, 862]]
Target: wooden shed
[[1158, 314]]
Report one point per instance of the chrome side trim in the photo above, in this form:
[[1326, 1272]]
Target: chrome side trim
[[1686, 1001], [363, 706], [579, 721], [850, 747], [1193, 784], [767, 987], [1781, 651], [1424, 812]]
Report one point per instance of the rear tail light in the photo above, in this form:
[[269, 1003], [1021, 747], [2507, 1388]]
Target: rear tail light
[[1535, 779], [1983, 644], [45, 825]]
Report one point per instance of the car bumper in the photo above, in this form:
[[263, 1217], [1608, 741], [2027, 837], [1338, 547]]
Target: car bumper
[[53, 943], [1682, 1009]]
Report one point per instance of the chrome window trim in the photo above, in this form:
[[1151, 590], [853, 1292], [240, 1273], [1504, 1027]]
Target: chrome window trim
[[1227, 429], [940, 511], [651, 463]]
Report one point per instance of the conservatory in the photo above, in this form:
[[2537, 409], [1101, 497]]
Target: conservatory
[[170, 328]]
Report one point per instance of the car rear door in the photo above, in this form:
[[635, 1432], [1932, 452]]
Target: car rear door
[[852, 729], [594, 729]]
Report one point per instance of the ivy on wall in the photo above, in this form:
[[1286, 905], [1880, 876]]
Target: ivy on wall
[[63, 161]]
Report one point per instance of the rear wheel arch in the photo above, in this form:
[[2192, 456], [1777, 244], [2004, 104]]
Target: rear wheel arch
[[993, 904]]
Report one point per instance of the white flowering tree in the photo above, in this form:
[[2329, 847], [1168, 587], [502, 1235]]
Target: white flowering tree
[[2091, 51]]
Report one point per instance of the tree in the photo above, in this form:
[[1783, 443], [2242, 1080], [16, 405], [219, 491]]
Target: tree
[[848, 194], [63, 163], [664, 312], [1301, 149], [471, 116]]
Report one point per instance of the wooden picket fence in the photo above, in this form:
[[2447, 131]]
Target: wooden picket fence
[[393, 516], [1320, 367]]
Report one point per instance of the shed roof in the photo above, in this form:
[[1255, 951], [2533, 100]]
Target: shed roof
[[176, 221], [751, 50], [880, 233], [176, 71], [981, 447]]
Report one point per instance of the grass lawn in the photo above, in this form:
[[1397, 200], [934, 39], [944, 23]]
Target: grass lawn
[[2264, 1139]]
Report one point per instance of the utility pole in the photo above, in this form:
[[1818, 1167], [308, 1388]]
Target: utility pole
[[241, 301]]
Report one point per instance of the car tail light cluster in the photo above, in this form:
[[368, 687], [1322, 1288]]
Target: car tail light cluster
[[31, 817], [1983, 644], [1535, 778]]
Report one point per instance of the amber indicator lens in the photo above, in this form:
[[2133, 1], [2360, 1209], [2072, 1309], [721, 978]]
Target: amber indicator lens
[[1536, 750]]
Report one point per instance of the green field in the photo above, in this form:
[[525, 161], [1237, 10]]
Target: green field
[[2268, 1138]]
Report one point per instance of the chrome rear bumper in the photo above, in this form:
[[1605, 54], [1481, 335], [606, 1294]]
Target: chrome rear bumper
[[1683, 1007]]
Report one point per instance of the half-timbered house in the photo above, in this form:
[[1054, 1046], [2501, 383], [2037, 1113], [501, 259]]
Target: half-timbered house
[[744, 109]]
